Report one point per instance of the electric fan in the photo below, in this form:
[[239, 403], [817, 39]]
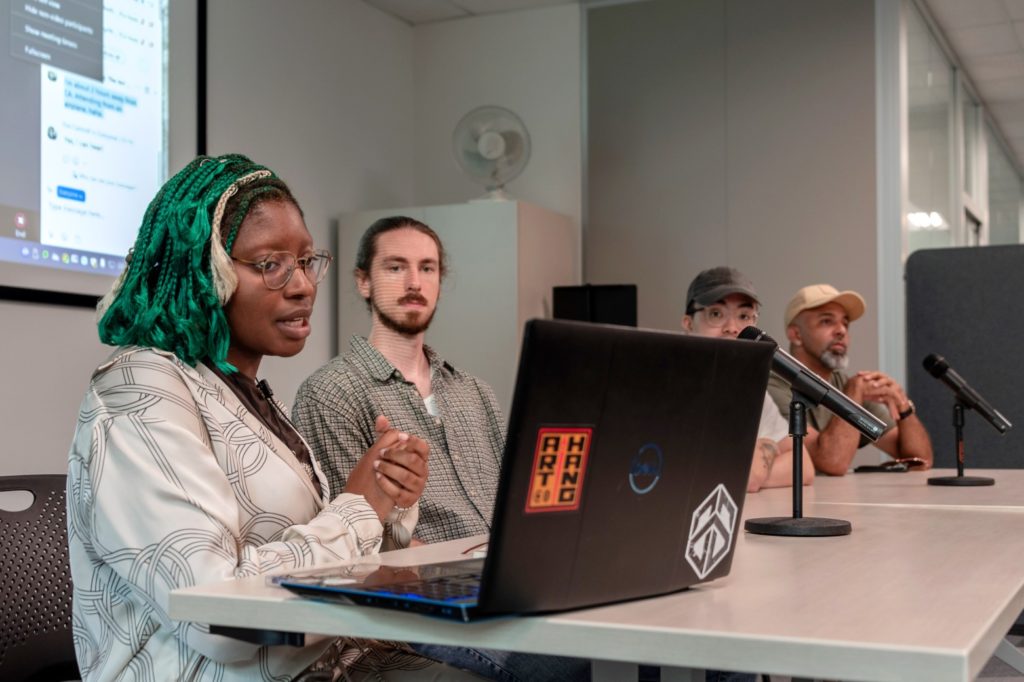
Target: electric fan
[[491, 146]]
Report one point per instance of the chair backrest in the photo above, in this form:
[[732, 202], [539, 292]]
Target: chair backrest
[[36, 640]]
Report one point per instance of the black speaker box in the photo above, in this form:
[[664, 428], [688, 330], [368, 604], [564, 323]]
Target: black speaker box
[[607, 303]]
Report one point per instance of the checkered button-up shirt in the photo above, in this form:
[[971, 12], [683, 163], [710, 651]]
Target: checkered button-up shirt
[[336, 408]]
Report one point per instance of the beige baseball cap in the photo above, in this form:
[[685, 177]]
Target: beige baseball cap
[[817, 295]]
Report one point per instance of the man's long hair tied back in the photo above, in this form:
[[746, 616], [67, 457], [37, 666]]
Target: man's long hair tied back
[[179, 274]]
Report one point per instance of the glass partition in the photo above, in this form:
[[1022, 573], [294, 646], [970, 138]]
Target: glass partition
[[970, 148], [930, 102], [1004, 194]]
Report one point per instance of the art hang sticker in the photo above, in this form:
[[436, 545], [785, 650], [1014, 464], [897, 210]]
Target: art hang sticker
[[711, 531], [559, 465]]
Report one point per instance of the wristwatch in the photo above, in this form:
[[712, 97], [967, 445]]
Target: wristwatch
[[907, 412]]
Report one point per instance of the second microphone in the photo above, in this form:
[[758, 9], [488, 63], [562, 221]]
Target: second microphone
[[817, 391]]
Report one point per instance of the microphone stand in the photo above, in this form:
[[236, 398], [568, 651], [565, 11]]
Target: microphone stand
[[960, 479], [798, 524]]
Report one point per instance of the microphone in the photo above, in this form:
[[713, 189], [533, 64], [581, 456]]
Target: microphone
[[264, 388], [817, 391], [937, 366]]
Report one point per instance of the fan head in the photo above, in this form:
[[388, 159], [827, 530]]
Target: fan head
[[491, 146]]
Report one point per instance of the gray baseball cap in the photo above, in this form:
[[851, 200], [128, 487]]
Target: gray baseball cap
[[712, 285]]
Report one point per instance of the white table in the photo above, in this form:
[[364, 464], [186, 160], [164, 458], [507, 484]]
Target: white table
[[915, 592], [911, 489]]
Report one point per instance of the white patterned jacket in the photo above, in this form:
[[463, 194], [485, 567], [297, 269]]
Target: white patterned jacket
[[171, 483]]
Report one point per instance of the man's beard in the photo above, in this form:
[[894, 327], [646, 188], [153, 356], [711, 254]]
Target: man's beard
[[404, 328], [834, 361]]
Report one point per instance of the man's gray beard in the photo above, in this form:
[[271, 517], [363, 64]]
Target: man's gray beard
[[834, 361]]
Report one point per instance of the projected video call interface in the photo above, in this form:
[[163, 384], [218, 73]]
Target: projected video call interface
[[84, 120]]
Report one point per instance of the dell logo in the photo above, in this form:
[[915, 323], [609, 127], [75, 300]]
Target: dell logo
[[645, 469]]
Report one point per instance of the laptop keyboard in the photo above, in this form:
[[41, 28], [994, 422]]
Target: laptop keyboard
[[440, 588]]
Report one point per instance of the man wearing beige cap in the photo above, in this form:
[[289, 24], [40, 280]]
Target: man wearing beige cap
[[818, 328], [720, 302]]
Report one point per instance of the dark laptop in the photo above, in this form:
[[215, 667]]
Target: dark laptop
[[624, 476]]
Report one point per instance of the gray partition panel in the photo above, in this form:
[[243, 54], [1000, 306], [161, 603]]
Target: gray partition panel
[[964, 304]]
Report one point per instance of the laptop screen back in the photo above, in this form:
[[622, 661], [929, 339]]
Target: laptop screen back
[[625, 467]]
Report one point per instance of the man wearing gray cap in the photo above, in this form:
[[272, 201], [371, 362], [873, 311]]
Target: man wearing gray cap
[[818, 328], [720, 302]]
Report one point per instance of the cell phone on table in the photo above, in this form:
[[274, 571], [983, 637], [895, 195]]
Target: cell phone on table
[[892, 466]]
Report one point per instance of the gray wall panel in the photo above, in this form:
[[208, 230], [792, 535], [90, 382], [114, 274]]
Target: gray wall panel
[[733, 132], [962, 305]]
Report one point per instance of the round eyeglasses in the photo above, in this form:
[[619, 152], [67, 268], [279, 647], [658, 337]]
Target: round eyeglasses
[[718, 315], [277, 268]]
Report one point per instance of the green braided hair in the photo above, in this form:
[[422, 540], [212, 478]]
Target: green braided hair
[[179, 274]]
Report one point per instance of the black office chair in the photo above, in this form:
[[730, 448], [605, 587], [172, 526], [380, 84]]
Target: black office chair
[[35, 583]]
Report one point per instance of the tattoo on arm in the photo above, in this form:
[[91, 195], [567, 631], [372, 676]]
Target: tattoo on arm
[[769, 451]]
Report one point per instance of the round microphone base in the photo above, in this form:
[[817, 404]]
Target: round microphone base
[[798, 527], [961, 480]]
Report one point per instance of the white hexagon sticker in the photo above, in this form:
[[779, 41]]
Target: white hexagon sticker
[[711, 531]]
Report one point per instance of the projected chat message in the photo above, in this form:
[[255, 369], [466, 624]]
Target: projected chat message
[[67, 34], [96, 173]]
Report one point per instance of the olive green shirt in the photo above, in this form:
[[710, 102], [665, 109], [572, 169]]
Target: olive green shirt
[[818, 417]]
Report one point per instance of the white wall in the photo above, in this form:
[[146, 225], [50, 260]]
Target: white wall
[[734, 132], [48, 354], [321, 93], [528, 62], [656, 176], [801, 203]]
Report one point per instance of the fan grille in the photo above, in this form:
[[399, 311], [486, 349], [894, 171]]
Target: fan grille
[[487, 161]]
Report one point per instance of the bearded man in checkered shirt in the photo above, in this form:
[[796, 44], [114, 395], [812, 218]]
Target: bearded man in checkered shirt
[[399, 268]]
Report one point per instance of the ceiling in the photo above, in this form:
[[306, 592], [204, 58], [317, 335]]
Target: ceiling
[[426, 11], [986, 35], [988, 39]]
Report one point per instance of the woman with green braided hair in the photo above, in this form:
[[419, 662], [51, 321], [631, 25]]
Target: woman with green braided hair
[[184, 470]]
